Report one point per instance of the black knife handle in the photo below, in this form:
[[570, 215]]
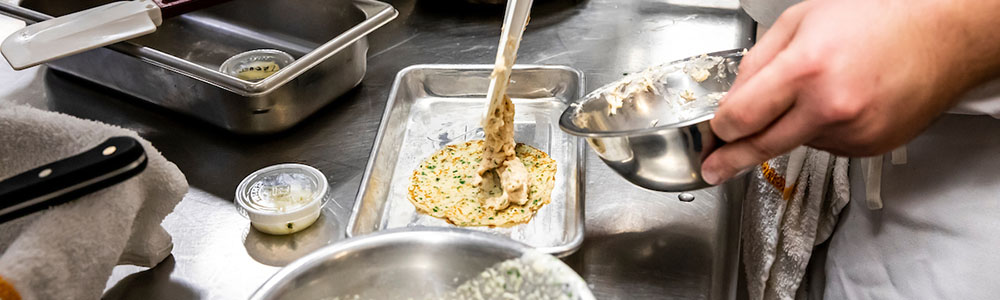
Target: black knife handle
[[111, 162]]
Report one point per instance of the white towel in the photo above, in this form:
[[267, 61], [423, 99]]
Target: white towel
[[68, 251], [782, 226]]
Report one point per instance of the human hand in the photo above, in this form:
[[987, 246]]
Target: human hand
[[853, 77]]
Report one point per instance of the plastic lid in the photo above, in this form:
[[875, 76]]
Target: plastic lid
[[255, 65], [287, 191]]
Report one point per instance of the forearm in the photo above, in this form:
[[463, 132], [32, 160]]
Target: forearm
[[967, 40]]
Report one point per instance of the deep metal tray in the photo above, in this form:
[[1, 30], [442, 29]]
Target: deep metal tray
[[431, 106], [177, 66]]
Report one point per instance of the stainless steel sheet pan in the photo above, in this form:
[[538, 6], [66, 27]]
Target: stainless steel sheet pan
[[431, 106]]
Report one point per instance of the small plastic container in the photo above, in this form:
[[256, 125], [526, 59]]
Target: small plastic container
[[255, 65], [282, 199]]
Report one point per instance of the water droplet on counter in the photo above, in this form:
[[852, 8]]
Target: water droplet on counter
[[686, 197]]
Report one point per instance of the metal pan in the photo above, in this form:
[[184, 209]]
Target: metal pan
[[412, 264], [178, 66], [431, 106]]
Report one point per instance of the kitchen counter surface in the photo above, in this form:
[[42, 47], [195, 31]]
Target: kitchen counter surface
[[639, 244]]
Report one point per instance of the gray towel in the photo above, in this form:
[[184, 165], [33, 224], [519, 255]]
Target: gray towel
[[69, 251], [784, 221]]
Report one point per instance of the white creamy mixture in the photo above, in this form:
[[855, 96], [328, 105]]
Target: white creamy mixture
[[687, 104], [498, 126], [499, 156], [533, 276]]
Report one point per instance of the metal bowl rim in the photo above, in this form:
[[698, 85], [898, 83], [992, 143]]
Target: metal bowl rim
[[300, 265], [566, 123]]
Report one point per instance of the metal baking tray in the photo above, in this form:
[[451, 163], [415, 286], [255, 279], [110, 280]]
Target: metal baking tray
[[431, 106], [177, 66]]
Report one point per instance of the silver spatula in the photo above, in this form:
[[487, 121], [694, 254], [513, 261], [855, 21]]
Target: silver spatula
[[96, 27]]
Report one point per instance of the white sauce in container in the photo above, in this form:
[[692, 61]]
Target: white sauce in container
[[282, 199]]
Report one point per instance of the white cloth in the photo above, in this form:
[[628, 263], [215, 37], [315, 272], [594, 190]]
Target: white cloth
[[982, 100], [937, 235], [781, 226], [69, 251]]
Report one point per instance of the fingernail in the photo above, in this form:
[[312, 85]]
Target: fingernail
[[710, 176]]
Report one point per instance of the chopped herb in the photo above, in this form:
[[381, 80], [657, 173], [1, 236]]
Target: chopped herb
[[422, 173], [461, 181], [431, 167]]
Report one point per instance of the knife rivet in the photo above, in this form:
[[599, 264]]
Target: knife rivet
[[44, 173], [109, 150]]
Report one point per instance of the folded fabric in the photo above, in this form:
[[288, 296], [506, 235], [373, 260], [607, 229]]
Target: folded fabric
[[792, 205], [69, 251]]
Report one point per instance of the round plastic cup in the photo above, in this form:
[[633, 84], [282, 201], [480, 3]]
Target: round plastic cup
[[255, 65], [282, 199]]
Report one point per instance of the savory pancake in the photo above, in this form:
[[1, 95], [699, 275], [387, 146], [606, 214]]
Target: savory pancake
[[442, 186]]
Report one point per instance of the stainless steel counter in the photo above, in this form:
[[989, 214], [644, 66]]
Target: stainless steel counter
[[639, 244]]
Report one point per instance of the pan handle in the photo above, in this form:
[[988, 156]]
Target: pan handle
[[171, 8], [111, 162]]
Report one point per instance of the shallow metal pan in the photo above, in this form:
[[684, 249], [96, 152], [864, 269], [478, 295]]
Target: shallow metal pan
[[434, 105], [177, 66]]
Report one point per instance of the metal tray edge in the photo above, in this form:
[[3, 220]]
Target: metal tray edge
[[558, 251], [376, 145], [215, 78]]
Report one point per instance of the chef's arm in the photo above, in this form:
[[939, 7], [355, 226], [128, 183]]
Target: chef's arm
[[853, 77]]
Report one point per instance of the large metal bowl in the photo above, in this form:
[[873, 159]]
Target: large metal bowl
[[637, 142], [396, 264]]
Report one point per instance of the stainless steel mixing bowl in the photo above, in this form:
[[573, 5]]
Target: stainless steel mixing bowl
[[396, 264], [648, 140]]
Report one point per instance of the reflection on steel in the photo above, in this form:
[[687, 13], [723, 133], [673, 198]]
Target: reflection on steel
[[638, 142], [177, 67], [435, 105], [639, 244], [403, 263]]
